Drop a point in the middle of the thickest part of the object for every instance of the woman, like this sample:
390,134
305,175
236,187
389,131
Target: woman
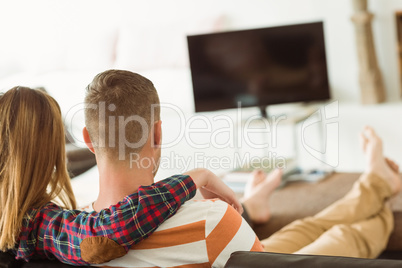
37,201
32,170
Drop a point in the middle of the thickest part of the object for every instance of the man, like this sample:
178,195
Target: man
119,123
114,99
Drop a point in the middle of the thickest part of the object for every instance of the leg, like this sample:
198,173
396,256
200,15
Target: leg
257,193
365,239
368,194
293,236
365,200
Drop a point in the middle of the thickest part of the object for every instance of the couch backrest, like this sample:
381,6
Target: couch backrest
243,259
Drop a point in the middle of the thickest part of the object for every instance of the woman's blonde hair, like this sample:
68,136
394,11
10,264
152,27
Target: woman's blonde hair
32,159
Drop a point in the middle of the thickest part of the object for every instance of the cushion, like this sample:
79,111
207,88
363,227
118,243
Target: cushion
79,160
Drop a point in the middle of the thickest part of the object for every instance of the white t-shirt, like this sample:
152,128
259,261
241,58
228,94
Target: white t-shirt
203,233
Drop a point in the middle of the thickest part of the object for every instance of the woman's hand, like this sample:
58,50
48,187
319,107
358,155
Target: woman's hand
211,186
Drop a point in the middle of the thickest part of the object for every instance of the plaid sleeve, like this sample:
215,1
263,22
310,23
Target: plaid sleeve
53,232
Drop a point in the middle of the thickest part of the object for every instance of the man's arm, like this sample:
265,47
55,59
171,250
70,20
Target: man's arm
56,232
212,187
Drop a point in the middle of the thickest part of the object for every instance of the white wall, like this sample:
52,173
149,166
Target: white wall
49,35
43,33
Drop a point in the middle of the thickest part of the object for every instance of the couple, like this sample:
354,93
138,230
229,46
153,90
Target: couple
35,188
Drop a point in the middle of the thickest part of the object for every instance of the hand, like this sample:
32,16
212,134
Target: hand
211,187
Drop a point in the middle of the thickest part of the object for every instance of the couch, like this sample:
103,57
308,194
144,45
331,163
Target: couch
243,259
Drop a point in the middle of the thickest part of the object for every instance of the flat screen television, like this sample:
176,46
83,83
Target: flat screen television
259,67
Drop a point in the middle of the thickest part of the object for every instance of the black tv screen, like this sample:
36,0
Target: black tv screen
259,67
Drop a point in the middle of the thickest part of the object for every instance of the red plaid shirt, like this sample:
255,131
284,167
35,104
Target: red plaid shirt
54,232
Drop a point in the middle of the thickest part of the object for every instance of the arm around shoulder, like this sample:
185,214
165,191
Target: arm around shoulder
53,231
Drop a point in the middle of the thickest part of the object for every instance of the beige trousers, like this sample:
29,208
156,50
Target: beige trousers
358,225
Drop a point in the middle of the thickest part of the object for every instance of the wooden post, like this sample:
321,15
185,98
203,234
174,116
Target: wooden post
398,16
371,83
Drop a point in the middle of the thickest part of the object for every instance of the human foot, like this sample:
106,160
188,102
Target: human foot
376,162
394,166
260,188
256,177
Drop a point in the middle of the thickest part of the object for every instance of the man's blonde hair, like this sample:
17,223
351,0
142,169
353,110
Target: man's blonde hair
121,107
32,159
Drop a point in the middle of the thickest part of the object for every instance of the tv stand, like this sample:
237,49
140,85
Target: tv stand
263,111
293,171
